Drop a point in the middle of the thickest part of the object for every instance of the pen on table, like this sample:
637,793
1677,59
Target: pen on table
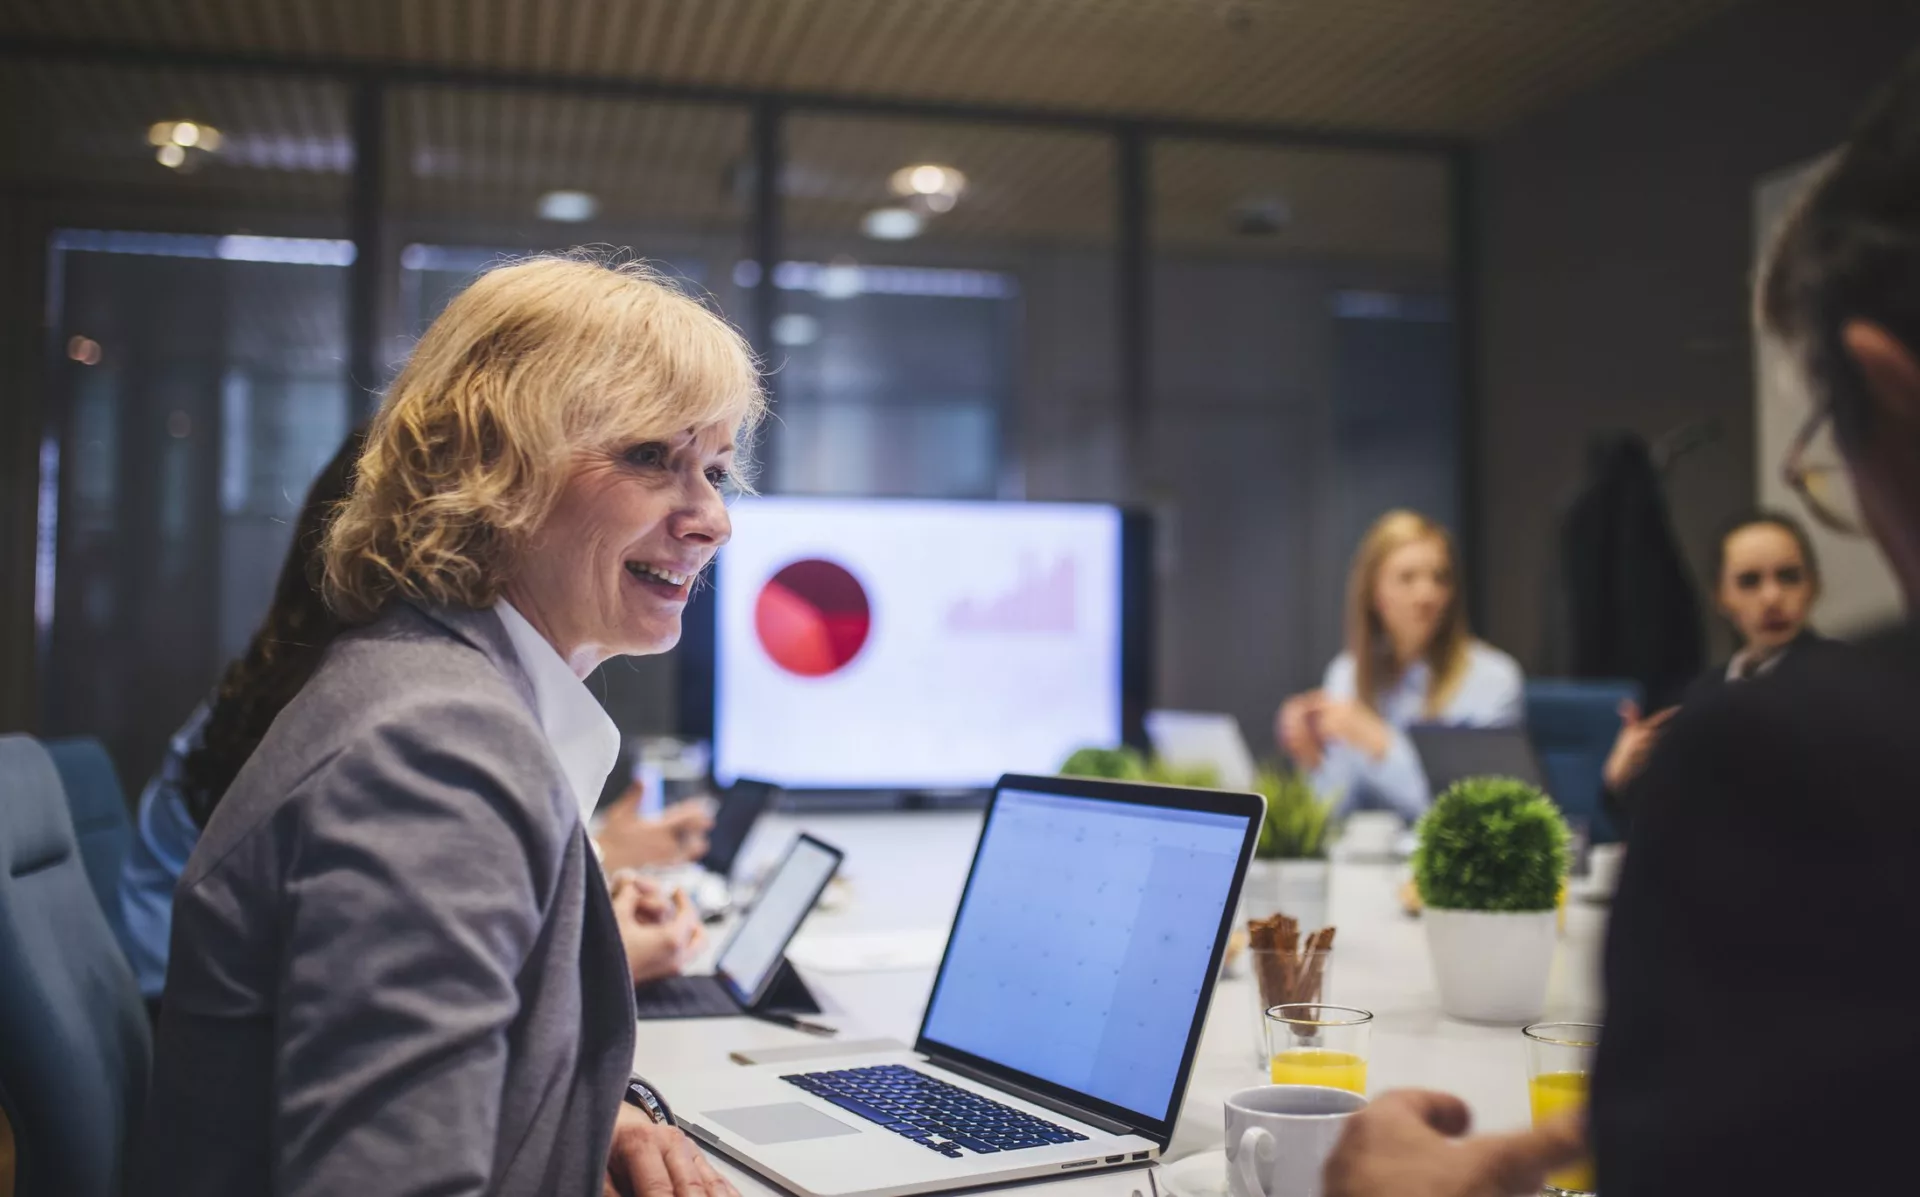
798,1024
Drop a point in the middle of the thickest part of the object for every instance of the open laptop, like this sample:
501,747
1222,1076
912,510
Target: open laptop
1451,754
1062,1024
751,973
1207,738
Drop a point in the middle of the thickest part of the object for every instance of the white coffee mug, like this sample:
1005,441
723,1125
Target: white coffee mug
1279,1137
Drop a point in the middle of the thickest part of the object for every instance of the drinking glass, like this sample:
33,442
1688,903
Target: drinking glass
1280,979
1311,1044
1559,1061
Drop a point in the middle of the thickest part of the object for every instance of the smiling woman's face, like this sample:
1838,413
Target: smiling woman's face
610,571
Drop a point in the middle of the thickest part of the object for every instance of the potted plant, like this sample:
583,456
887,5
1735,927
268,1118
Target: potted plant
1118,764
1127,764
1289,874
1491,857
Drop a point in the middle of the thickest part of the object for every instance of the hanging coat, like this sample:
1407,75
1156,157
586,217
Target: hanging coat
1629,606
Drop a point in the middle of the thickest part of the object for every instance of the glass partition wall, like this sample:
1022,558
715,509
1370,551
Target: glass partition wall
1254,338
1304,382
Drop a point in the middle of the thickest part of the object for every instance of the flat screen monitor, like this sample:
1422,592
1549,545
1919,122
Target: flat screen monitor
914,644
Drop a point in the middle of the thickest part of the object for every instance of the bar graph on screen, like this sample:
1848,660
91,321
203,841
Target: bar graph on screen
1041,600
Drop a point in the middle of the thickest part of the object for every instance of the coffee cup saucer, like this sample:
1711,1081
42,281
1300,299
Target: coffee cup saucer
1203,1174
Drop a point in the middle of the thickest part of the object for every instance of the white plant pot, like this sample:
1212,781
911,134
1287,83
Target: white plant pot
1296,888
1492,966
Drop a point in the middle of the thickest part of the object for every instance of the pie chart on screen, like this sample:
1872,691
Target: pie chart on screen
812,617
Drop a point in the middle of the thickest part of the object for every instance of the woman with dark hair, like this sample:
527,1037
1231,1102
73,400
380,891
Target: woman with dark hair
1766,582
222,733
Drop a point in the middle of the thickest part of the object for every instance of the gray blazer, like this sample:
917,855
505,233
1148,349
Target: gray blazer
394,966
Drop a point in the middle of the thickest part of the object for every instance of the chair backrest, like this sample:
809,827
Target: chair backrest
1573,725
74,1043
98,807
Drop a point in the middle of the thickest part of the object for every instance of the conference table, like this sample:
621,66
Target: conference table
870,951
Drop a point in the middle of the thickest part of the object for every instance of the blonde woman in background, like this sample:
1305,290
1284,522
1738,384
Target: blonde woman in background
1410,659
396,967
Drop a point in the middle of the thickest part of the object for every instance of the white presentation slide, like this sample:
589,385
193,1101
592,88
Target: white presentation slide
915,644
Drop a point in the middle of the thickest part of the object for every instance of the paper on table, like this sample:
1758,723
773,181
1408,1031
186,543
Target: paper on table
868,951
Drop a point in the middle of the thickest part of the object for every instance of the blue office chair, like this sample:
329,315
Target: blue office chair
74,1043
1573,725
100,824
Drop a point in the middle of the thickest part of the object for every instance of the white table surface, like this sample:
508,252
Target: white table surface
904,872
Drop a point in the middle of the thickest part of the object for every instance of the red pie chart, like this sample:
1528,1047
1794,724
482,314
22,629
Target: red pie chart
812,618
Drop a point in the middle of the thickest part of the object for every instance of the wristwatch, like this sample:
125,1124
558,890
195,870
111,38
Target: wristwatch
641,1095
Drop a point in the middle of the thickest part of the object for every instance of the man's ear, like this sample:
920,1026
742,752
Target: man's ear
1889,368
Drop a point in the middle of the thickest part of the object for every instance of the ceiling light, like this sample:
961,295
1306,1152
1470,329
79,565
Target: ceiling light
569,207
170,155
188,135
84,350
892,224
794,329
928,179
841,279
938,202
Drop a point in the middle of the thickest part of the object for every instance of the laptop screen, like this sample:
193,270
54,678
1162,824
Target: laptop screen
1084,943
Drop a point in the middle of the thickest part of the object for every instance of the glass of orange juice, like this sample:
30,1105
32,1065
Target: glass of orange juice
1559,1061
1311,1044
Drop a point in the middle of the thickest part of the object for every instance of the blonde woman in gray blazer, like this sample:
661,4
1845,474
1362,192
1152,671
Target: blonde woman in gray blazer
395,966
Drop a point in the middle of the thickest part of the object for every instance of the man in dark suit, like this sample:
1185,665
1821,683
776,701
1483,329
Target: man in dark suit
1763,1034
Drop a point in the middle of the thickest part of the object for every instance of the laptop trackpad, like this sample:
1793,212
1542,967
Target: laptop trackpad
787,1122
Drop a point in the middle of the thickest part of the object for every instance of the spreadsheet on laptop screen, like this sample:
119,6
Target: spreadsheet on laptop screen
1082,944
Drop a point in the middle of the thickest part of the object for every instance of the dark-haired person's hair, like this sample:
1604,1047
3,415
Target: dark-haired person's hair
1851,251
1764,519
282,654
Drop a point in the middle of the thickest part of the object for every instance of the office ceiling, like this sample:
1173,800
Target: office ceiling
466,163
1443,67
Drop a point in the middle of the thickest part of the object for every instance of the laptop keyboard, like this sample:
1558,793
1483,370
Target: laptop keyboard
934,1114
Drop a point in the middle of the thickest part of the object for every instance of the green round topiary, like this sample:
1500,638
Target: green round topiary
1119,764
1491,843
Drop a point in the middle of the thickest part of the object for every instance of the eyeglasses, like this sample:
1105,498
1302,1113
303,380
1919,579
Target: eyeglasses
1812,468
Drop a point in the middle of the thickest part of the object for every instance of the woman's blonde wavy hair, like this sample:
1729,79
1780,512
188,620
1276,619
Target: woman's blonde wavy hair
532,364
1367,640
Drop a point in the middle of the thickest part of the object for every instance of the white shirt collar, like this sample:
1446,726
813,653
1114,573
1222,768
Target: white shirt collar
1737,667
584,739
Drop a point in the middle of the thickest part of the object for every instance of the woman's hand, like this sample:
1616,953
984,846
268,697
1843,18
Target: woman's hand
649,1159
660,932
1294,728
1355,724
1634,744
628,841
1408,1144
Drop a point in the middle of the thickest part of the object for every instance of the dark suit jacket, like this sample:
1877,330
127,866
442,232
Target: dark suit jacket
394,965
1763,1021
1807,646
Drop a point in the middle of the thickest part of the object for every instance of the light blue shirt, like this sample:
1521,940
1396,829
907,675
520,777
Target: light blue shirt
163,837
1490,695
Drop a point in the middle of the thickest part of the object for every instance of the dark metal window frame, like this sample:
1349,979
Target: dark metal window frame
1133,138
